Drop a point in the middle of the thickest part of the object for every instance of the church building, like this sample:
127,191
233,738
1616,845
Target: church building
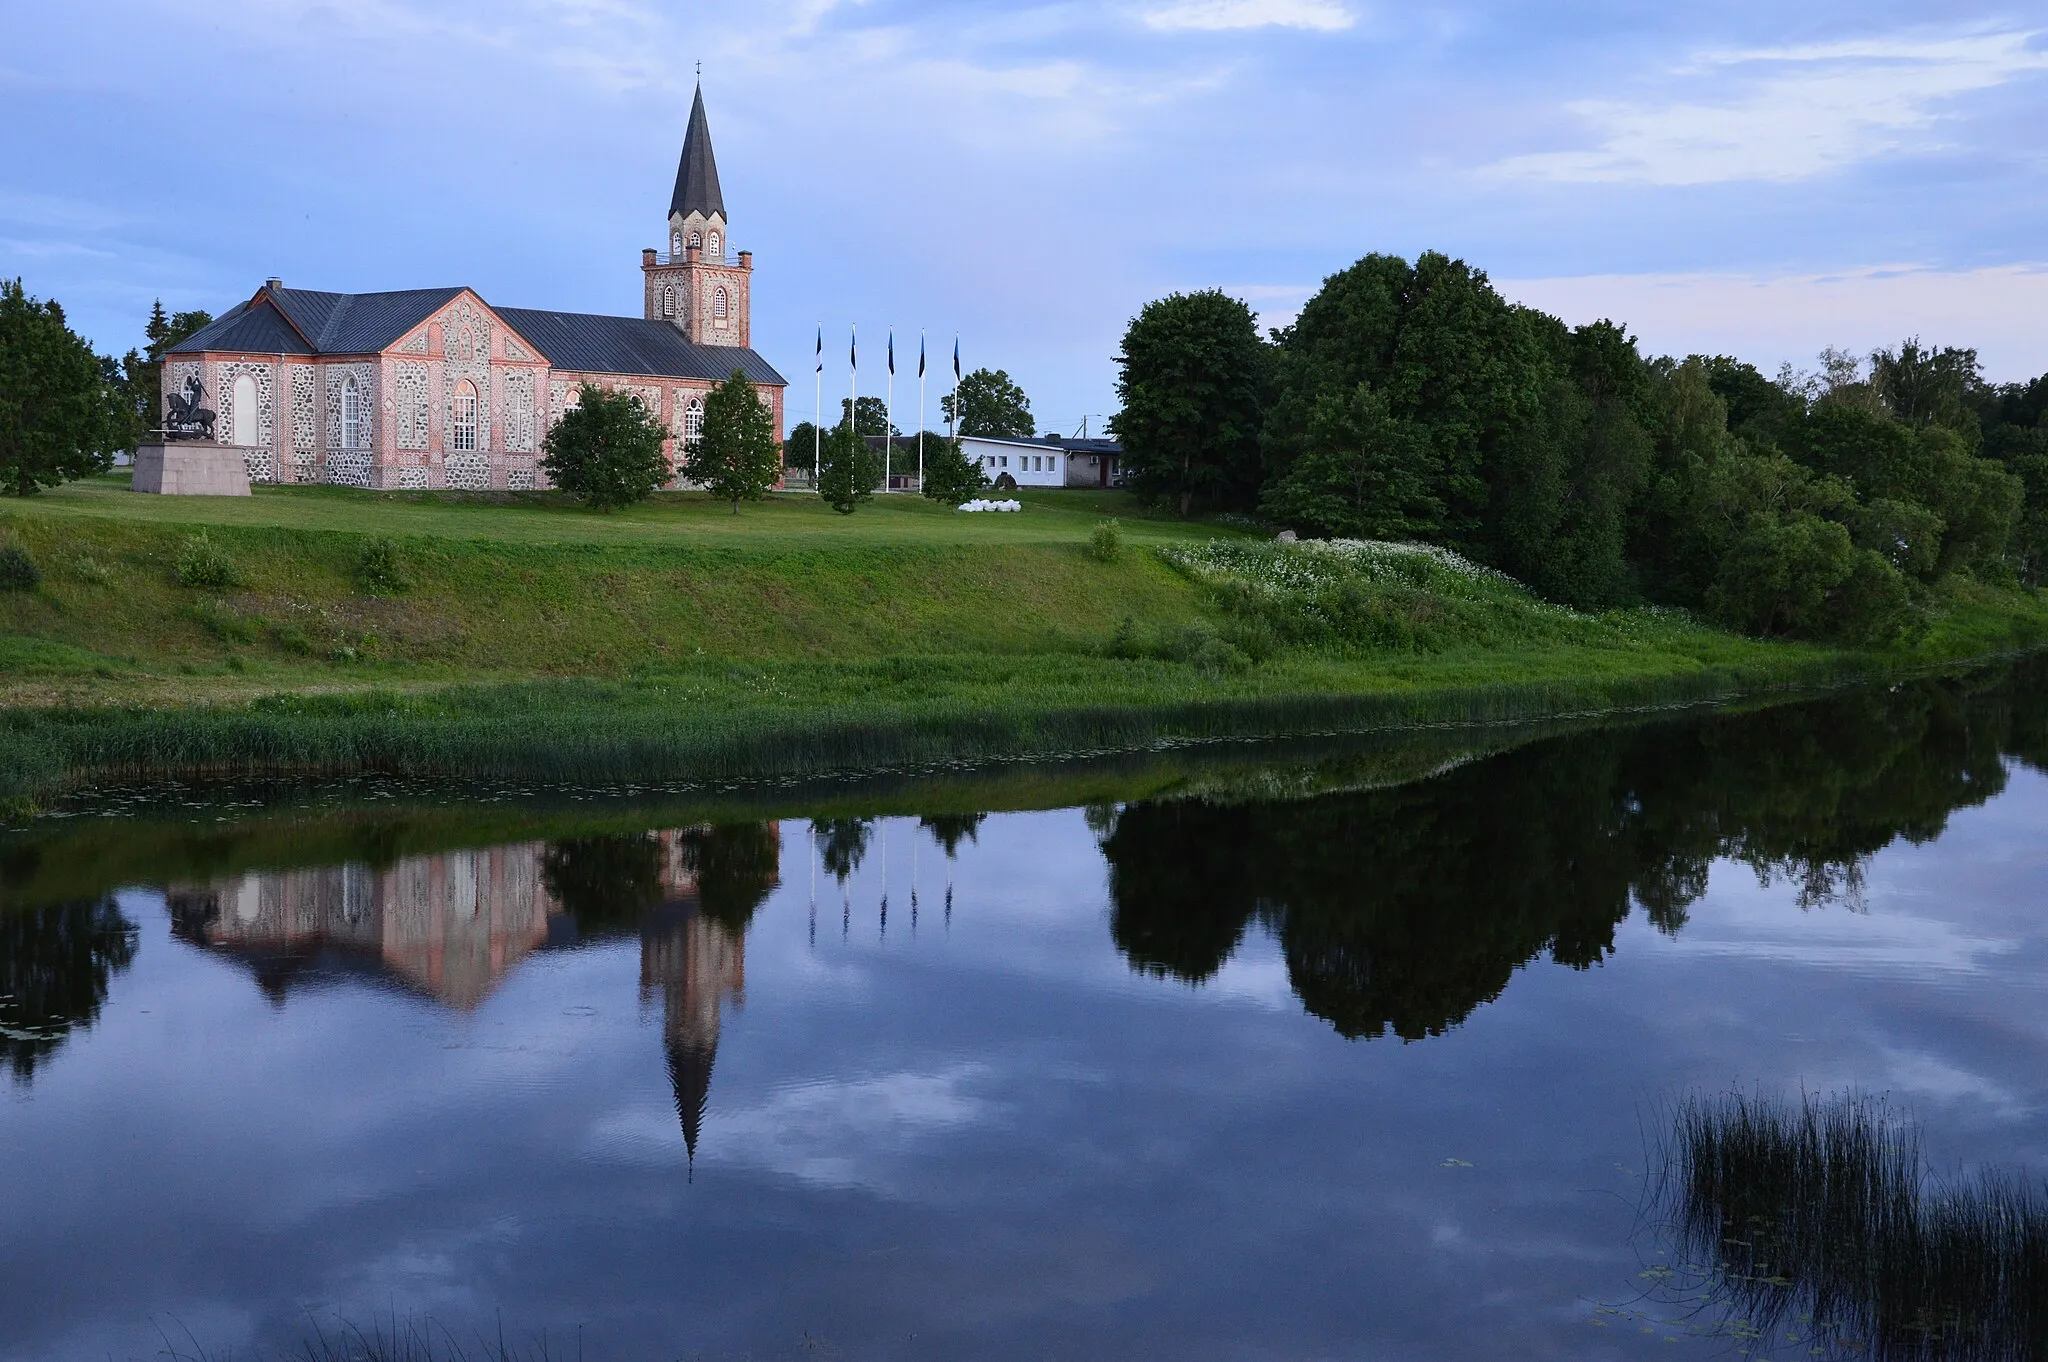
438,388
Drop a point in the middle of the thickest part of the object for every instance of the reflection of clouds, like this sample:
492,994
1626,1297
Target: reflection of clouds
827,1132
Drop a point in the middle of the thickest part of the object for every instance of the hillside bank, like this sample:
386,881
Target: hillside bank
321,630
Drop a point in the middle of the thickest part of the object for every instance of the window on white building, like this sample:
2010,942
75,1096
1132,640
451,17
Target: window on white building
352,414
462,430
693,424
718,305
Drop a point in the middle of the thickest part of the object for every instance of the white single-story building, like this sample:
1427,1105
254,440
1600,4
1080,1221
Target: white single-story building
1047,460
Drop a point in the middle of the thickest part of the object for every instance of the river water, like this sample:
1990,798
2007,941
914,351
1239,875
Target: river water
1355,1049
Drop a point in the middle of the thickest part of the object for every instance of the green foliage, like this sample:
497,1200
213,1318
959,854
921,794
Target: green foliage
989,404
735,459
205,566
1106,542
18,571
90,570
851,470
60,418
1360,472
872,418
950,477
606,451
1802,577
1192,380
379,570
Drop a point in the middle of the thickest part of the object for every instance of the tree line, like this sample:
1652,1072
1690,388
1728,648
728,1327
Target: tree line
1410,401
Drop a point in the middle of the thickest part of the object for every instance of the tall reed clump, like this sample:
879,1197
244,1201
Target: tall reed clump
205,565
1820,1222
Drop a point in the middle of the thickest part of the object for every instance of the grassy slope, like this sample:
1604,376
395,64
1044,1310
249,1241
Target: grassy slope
538,638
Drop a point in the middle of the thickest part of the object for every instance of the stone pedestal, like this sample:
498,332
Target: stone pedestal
191,468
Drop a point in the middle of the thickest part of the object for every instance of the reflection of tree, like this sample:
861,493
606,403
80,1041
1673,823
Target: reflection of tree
951,829
1401,910
607,883
735,865
843,844
54,966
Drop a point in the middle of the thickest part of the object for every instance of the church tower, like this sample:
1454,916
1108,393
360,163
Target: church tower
699,285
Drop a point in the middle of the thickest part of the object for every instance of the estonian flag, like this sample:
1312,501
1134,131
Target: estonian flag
920,354
853,348
821,347
892,354
956,361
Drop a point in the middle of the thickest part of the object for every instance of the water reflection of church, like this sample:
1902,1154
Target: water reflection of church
451,925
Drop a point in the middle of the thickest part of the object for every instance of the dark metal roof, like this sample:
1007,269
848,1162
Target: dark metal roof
589,344
337,323
697,172
1066,444
360,323
256,328
367,323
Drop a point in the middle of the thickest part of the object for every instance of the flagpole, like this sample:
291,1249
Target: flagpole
818,413
853,379
889,414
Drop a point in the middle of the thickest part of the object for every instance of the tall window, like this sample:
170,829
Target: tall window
711,244
462,430
351,414
245,429
693,424
675,243
668,302
696,238
718,305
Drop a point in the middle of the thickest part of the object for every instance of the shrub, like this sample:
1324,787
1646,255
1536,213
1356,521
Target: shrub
18,571
950,477
90,570
205,566
1106,541
379,571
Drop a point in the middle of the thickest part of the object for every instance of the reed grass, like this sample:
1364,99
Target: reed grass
1819,1222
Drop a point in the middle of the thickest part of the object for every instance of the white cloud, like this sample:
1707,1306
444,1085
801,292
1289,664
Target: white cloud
1768,318
1798,112
1322,16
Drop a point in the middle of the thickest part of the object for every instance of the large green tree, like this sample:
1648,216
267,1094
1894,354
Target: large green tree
1361,472
1192,380
871,416
989,403
60,417
735,458
606,450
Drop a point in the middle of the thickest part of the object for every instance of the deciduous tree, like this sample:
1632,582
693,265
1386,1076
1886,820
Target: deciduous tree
735,459
59,416
1192,381
606,450
851,470
989,403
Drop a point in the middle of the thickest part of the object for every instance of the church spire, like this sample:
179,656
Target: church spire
697,172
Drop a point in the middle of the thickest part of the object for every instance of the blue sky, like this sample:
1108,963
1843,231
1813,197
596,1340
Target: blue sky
1756,178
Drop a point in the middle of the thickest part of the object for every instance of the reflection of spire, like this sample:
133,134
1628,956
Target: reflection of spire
697,963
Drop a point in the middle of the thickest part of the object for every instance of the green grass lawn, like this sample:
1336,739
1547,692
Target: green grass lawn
533,637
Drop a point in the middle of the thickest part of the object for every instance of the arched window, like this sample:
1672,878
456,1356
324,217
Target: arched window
462,429
696,238
245,410
352,422
711,245
718,305
668,302
693,424
675,243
